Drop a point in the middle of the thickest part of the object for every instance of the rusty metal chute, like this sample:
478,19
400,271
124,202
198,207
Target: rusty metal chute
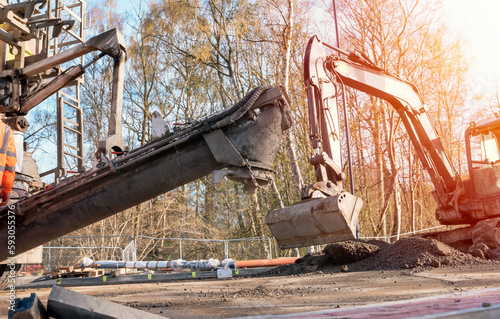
243,139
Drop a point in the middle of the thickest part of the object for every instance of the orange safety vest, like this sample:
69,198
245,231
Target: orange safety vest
8,157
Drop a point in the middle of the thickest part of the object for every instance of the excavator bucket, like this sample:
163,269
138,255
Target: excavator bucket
315,221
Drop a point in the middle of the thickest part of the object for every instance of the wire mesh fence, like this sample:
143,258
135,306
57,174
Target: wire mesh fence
156,248
395,238
55,257
64,252
197,249
250,248
72,249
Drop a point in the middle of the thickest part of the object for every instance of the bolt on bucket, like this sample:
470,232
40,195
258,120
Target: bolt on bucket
316,221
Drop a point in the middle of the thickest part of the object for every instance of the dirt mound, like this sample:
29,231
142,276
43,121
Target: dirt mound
416,252
407,253
349,252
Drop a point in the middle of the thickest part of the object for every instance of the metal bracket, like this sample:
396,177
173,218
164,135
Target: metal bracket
222,149
320,190
114,140
326,168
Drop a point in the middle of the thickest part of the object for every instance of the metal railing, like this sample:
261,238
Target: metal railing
225,242
227,247
49,248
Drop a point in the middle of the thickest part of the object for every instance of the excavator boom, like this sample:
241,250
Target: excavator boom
407,102
472,202
306,222
326,212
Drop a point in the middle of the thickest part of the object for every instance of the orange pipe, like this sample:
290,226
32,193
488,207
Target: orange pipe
266,262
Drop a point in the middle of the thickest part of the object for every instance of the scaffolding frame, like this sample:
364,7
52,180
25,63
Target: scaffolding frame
67,126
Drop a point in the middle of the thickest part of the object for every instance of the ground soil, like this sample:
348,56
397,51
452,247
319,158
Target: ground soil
345,275
410,253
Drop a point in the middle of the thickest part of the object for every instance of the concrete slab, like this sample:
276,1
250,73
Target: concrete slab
67,304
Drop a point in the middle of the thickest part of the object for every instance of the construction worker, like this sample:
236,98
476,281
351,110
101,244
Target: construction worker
8,162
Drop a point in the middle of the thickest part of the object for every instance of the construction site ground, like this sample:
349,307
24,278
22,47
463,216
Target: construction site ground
414,268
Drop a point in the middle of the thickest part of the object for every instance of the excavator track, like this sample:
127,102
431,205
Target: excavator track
487,232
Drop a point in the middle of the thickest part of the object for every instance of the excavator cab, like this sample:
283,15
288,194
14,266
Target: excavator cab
483,150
